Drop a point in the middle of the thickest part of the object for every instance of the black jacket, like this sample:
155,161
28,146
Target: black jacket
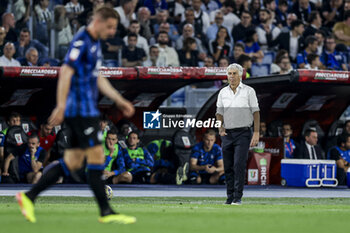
301,152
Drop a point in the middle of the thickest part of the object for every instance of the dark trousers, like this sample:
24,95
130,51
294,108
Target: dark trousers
235,147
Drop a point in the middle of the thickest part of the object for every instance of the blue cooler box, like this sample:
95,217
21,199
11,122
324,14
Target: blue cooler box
348,178
328,173
300,172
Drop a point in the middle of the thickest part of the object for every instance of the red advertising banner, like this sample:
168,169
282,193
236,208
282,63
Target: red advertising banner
324,76
258,170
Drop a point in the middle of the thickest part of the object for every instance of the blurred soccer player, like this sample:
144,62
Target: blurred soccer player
77,93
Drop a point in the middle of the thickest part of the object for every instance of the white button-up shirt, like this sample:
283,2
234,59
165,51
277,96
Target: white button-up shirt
4,61
237,108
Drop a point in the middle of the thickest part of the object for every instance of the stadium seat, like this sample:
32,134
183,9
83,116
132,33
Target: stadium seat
260,69
268,58
27,124
274,129
336,128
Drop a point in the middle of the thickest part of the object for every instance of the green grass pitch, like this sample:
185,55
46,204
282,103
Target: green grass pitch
182,215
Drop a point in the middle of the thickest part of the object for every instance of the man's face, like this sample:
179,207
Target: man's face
287,131
135,28
46,130
107,28
10,19
320,38
263,16
132,41
33,144
285,64
2,33
263,127
208,141
313,46
133,139
9,50
44,3
330,45
33,57
346,6
208,62
15,121
246,19
300,29
238,51
111,140
163,38
223,63
219,18
290,18
189,15
196,4
187,31
25,37
162,17
144,14
271,6
347,128
154,52
304,4
164,27
312,139
347,144
233,77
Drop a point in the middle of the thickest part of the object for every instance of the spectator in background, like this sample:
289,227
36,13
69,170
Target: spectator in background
213,28
167,55
302,8
308,149
284,65
31,58
315,23
132,55
289,144
246,62
63,30
341,154
74,9
320,35
266,27
341,30
223,62
311,47
332,11
275,69
271,6
238,50
188,32
143,16
177,9
206,164
188,55
238,7
263,129
126,12
281,14
155,5
209,6
138,160
2,40
7,59
152,57
9,22
230,19
292,41
25,43
43,22
331,58
252,48
209,62
254,8
290,18
190,19
201,17
240,30
313,61
141,41
31,160
221,46
171,30
21,11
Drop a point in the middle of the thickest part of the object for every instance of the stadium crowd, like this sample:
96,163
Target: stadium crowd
26,151
264,36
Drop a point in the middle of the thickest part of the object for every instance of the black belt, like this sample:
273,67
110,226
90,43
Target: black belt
237,129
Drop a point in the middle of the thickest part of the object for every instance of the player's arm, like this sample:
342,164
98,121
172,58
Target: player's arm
63,87
219,165
195,167
108,90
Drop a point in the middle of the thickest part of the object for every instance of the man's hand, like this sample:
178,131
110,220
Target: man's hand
126,108
255,139
5,174
32,151
108,174
222,131
57,116
210,169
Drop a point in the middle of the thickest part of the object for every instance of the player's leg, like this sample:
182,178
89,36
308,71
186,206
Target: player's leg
125,177
95,160
214,178
73,158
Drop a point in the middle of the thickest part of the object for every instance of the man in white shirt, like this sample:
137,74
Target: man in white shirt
141,41
126,12
167,55
7,59
237,109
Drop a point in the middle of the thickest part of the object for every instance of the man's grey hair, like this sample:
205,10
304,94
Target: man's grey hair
235,66
30,50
